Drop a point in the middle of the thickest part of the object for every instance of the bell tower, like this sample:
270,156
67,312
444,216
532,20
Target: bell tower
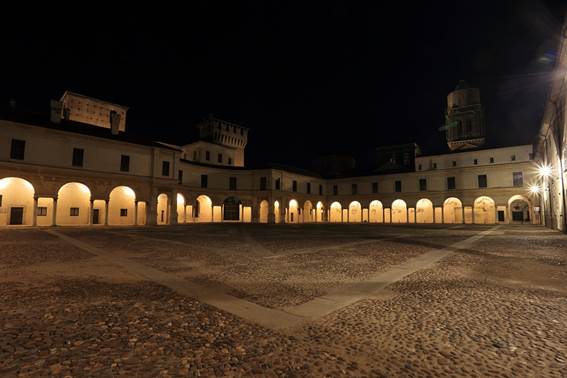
464,121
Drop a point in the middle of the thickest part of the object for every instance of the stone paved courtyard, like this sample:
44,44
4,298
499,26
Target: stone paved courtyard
284,300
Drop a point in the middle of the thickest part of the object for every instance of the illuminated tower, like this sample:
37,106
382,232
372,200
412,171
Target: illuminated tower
464,121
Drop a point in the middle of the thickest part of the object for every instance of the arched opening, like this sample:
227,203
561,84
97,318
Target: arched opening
484,210
293,211
231,209
264,209
319,212
519,209
16,201
376,212
73,204
277,212
203,209
452,210
181,213
424,211
399,211
163,209
122,206
335,215
308,212
355,212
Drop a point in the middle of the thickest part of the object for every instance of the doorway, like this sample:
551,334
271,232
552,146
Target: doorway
16,215
96,216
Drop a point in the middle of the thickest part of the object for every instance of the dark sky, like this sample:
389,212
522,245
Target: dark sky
333,76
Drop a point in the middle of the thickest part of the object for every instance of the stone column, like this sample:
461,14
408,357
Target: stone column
54,221
106,202
91,207
34,212
135,213
151,210
173,208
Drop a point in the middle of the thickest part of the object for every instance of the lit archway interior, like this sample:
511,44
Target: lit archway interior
424,211
277,211
122,206
320,211
16,207
452,210
73,204
203,209
335,215
484,210
264,211
355,212
375,212
181,214
293,212
163,209
232,207
520,209
399,211
308,211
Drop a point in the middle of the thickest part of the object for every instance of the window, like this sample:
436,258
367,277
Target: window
374,187
219,158
454,163
354,188
0,200
195,155
491,160
232,183
434,165
78,154
165,168
180,177
320,189
41,211
263,183
18,149
419,167
207,155
335,190
229,161
398,186
294,186
518,178
123,212
308,188
74,211
204,181
513,158
482,181
125,163
451,183
423,185
278,184
475,161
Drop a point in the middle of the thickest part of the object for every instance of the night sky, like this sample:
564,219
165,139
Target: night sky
329,77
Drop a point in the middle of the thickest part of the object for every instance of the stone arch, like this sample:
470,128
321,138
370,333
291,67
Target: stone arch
181,209
293,211
16,206
232,207
319,212
122,206
424,211
163,209
355,212
264,211
399,211
520,209
375,212
203,209
335,213
308,212
277,212
484,210
73,204
452,210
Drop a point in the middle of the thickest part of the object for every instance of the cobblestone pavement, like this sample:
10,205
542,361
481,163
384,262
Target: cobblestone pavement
497,308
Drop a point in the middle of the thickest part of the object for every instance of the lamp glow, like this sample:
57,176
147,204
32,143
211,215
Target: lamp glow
535,189
544,170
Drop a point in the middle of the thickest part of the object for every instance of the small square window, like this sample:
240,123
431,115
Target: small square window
74,211
123,212
434,165
454,163
513,158
491,160
419,167
475,161
41,211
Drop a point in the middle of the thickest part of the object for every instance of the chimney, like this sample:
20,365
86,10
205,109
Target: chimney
114,122
56,111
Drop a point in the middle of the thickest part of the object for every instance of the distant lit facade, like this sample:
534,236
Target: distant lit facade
74,171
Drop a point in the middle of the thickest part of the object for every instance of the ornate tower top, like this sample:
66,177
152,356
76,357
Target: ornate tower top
464,120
